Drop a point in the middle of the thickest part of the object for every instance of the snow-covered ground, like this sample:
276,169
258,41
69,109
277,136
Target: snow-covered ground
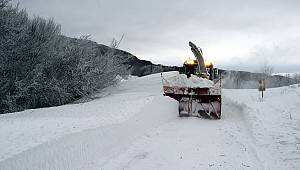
134,127
273,123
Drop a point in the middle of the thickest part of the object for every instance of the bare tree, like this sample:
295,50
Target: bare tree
296,76
266,68
115,43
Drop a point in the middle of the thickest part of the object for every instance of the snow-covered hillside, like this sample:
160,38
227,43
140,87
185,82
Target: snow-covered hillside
133,126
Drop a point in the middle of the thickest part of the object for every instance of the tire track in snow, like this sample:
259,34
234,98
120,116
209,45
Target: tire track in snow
193,143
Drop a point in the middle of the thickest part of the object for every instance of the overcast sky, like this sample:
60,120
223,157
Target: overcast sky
235,34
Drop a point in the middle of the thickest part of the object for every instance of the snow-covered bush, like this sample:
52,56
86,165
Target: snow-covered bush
39,67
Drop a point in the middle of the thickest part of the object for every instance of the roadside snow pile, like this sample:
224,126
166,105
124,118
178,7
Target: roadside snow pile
181,80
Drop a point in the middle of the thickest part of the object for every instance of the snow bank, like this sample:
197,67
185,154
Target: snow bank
273,123
181,80
85,135
21,131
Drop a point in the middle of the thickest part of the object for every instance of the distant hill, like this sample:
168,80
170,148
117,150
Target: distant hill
232,79
136,66
245,80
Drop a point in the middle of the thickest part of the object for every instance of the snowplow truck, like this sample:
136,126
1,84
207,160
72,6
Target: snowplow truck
197,89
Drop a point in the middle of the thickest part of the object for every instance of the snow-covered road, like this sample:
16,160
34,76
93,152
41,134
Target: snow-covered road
193,143
135,127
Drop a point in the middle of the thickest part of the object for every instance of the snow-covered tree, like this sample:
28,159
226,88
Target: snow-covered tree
39,67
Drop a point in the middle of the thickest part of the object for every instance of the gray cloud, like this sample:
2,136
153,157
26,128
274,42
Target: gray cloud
228,31
282,55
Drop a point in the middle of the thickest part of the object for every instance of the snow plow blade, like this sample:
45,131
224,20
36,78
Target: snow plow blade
204,102
199,105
